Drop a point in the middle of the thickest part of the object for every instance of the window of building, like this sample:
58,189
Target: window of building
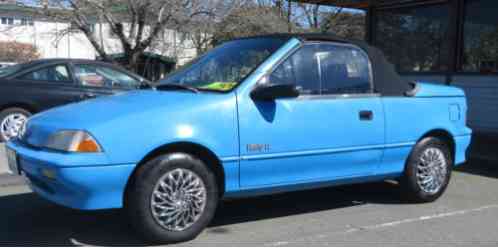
415,39
480,36
57,73
26,21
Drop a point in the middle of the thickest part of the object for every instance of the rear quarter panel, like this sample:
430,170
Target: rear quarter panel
408,119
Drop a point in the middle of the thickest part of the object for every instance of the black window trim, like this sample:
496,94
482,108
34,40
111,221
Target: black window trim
18,76
369,94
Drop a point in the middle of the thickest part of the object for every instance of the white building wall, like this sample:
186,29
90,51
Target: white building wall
44,35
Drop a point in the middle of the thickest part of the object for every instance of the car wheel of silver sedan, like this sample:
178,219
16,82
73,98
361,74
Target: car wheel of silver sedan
12,121
428,170
172,198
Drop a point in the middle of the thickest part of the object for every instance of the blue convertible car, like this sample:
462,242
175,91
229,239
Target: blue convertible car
259,115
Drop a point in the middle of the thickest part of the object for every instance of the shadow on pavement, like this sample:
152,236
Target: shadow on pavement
486,168
27,219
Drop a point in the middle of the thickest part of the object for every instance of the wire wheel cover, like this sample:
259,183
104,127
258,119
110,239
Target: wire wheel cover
432,170
178,199
12,124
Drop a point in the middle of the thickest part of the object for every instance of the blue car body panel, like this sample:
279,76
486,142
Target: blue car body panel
302,143
324,135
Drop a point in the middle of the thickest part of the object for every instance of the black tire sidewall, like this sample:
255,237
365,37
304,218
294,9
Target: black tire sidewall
6,112
412,190
138,197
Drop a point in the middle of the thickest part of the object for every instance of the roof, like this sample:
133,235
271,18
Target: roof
17,7
58,60
358,4
387,81
42,62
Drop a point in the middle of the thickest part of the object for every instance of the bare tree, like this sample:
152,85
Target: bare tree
345,24
314,17
250,20
201,32
135,23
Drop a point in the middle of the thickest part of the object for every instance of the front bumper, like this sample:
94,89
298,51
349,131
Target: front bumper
79,187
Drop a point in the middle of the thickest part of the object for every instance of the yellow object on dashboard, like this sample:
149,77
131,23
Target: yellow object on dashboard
223,86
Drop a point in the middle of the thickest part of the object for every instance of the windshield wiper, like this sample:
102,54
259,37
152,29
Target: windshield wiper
176,87
145,85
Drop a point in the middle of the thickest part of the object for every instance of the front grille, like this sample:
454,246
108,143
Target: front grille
25,143
40,184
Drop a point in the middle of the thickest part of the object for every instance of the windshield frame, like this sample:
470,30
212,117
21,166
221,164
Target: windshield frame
189,65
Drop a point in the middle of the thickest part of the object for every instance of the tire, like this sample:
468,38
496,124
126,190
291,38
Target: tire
139,198
16,113
413,181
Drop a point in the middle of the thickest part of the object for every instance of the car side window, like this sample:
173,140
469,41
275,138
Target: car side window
344,69
301,69
101,76
56,73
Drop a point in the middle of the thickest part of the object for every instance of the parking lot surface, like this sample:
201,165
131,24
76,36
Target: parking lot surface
366,214
3,159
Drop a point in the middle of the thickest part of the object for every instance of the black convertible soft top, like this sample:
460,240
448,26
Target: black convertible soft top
386,80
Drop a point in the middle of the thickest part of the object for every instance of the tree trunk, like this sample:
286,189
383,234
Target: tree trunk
133,60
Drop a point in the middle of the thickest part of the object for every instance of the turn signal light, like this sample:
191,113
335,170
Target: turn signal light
88,145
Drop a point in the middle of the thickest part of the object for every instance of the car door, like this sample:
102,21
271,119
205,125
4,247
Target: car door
101,80
333,130
46,86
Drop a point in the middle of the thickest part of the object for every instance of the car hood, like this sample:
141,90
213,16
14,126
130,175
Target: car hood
104,115
437,90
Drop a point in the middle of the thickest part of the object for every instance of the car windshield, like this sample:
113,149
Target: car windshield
224,67
5,71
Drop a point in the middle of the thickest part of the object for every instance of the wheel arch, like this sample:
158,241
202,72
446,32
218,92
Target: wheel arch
203,153
29,107
445,136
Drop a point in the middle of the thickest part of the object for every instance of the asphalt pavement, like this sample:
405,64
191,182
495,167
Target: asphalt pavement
358,215
3,159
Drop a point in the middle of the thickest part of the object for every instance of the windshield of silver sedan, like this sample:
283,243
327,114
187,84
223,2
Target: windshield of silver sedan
224,67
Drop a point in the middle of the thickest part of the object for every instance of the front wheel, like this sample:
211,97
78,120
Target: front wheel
11,122
427,171
173,198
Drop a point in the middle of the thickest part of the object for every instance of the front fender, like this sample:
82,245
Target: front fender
210,123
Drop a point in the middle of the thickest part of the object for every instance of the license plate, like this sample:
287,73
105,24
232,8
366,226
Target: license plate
12,162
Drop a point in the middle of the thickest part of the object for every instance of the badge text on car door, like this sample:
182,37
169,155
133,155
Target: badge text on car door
258,147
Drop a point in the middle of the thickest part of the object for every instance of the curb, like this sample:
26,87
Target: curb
7,180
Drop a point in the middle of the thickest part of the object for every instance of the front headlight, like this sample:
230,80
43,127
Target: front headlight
73,141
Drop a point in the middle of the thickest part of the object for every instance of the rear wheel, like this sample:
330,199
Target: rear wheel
173,198
428,171
11,122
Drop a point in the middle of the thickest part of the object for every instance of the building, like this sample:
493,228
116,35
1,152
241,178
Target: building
451,42
22,24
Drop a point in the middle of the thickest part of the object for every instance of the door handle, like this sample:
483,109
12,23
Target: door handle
366,115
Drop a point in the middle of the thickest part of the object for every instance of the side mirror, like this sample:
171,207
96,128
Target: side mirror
270,92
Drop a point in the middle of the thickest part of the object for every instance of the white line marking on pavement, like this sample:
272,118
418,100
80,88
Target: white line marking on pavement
384,225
